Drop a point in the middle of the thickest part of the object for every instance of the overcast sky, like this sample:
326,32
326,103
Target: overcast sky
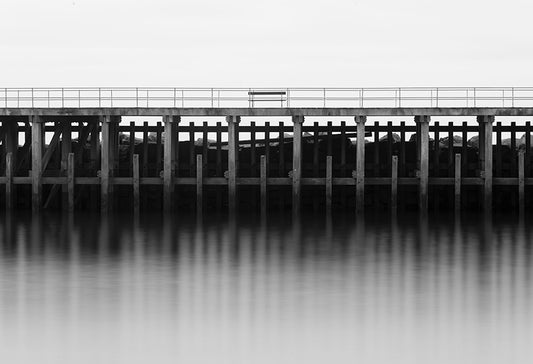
364,43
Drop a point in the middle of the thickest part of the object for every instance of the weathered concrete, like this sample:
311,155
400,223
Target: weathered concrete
452,111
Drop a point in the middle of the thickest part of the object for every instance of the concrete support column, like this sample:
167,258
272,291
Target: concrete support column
297,163
423,148
11,148
485,154
36,161
169,163
360,165
66,145
233,145
105,163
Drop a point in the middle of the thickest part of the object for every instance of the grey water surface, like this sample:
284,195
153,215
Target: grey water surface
156,289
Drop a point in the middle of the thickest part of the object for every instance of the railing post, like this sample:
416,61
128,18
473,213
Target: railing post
360,120
400,97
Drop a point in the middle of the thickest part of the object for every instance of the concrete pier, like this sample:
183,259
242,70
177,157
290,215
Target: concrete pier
313,165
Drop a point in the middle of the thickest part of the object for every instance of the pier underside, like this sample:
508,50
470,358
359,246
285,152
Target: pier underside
246,159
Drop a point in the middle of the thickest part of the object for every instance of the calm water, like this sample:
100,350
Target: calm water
86,290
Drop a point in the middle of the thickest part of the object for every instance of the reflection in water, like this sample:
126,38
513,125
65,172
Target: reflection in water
167,290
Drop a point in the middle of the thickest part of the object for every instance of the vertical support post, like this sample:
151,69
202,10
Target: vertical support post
329,183
394,184
486,145
360,165
457,183
297,120
423,146
9,181
233,122
95,161
136,189
521,183
36,162
11,148
105,164
66,145
169,165
199,184
263,188
70,182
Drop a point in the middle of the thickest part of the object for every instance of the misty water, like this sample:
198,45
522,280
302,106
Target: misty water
156,289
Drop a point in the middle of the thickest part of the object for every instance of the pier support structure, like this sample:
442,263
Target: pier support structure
36,161
105,163
360,165
485,158
169,162
233,145
423,153
297,120
11,148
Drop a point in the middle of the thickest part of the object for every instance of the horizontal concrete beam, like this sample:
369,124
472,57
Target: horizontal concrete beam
349,112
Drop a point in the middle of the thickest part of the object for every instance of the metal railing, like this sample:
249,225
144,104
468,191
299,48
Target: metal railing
144,97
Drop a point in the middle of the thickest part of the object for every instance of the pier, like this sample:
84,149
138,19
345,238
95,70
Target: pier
226,149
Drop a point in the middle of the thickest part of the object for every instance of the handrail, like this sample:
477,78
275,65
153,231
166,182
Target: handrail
198,97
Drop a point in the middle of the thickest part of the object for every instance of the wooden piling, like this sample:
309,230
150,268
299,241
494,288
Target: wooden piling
169,163
263,187
486,145
329,183
360,164
394,184
132,144
11,148
66,147
95,162
457,183
297,162
36,165
70,182
199,183
521,183
145,149
9,181
423,145
136,190
105,164
233,122
316,163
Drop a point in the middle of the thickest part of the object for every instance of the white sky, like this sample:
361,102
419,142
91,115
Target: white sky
277,43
